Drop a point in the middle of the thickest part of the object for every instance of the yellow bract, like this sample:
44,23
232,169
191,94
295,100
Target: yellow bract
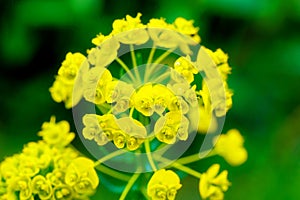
186,27
96,80
221,60
143,100
163,185
56,134
171,126
62,89
130,31
185,67
230,146
81,176
213,186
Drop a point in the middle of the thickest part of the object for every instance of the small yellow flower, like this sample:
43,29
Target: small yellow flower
171,126
56,177
213,186
63,192
82,176
135,132
162,97
185,67
56,134
159,23
105,53
92,126
169,35
100,38
28,166
42,187
99,128
230,147
143,100
62,88
137,35
186,27
70,67
61,92
116,90
221,60
9,167
96,81
177,103
163,185
121,25
120,139
207,121
22,185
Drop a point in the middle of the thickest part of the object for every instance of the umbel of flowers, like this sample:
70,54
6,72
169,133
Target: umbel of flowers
48,169
157,95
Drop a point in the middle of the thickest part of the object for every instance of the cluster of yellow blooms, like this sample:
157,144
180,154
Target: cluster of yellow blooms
127,107
48,169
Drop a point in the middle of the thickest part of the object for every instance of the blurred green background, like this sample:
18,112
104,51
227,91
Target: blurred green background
262,38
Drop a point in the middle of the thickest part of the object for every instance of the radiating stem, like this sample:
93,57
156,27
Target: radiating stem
161,77
125,67
196,157
136,71
180,167
113,173
150,58
156,62
163,56
131,111
164,147
129,185
189,159
149,155
144,192
109,156
149,61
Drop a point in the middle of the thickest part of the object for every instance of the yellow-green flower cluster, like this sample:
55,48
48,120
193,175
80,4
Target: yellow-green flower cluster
140,103
48,169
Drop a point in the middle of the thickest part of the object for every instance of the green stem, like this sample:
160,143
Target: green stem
180,167
163,56
129,185
196,157
125,67
162,77
109,156
113,173
149,155
189,159
164,147
131,111
136,71
150,58
144,192
157,61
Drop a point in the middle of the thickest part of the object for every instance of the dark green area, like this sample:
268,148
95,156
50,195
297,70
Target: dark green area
262,38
